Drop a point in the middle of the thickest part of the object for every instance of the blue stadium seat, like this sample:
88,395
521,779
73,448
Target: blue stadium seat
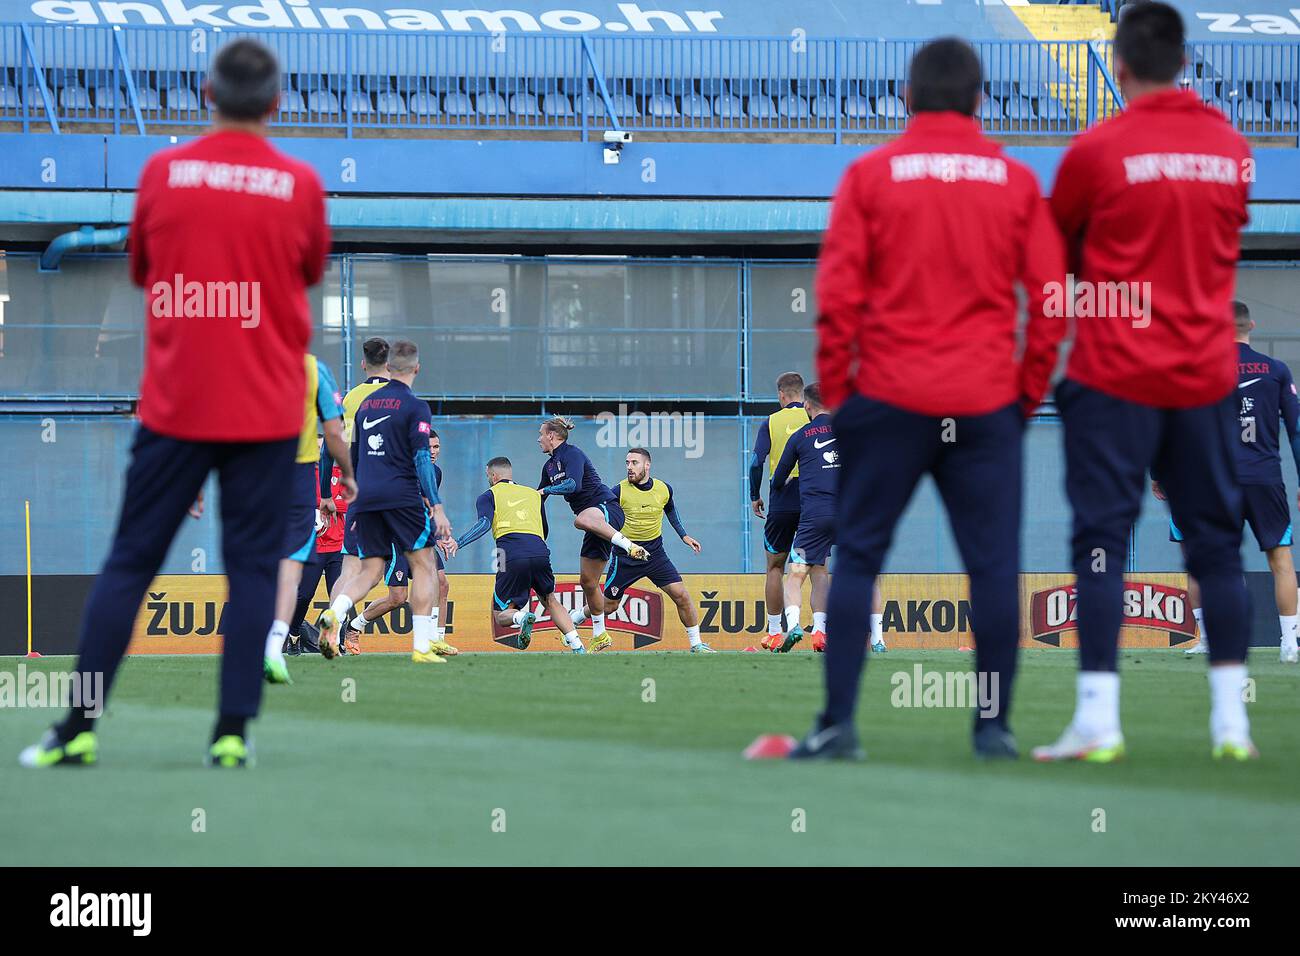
556,103
990,110
290,101
858,107
728,107
890,107
422,103
390,103
318,101
696,106
824,106
457,104
661,106
358,102
72,97
490,104
9,98
1284,113
524,104
1251,111
1052,110
760,107
1019,108
794,107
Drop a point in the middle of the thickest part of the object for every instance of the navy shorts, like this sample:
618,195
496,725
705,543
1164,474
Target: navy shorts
398,572
814,539
778,531
300,529
625,571
520,576
379,532
1266,510
593,545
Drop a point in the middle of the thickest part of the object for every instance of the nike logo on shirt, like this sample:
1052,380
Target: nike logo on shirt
822,444
367,423
1251,382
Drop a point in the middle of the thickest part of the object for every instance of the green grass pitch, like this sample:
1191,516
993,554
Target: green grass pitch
581,770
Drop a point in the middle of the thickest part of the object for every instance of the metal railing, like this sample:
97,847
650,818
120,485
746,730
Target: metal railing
139,79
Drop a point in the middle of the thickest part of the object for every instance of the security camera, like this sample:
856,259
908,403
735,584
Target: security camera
617,136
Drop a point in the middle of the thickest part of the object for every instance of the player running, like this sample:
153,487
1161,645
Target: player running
1154,200
391,458
1267,393
569,472
809,450
646,501
396,576
782,518
516,515
323,404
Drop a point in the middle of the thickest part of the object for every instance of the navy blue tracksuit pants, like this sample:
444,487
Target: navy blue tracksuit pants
1109,445
976,464
164,478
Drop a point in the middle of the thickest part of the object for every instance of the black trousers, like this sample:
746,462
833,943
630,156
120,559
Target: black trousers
164,478
976,462
1109,445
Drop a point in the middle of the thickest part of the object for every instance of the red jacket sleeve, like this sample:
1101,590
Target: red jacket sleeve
1042,268
318,246
137,244
841,290
1071,196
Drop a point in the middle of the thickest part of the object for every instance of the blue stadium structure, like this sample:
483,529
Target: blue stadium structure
477,208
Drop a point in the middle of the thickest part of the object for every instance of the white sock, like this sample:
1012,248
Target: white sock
877,629
597,625
1096,711
441,634
774,624
518,619
1227,708
819,621
1288,629
342,604
275,640
792,617
422,629
1199,614
572,639
693,634
359,622
621,540
578,616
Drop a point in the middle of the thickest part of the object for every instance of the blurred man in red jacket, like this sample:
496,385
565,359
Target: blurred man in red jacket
226,236
1151,204
916,349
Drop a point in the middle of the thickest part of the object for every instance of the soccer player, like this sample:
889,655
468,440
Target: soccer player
324,405
222,390
391,459
809,451
646,501
929,236
782,516
326,563
1153,201
1267,393
516,516
396,575
569,472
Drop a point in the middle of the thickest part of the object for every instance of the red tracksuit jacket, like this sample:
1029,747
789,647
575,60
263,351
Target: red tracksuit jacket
916,279
226,236
1156,195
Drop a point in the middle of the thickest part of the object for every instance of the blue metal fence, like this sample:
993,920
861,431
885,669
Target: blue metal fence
140,78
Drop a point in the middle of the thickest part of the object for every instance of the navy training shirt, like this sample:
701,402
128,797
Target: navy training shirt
1267,394
570,461
390,427
813,448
